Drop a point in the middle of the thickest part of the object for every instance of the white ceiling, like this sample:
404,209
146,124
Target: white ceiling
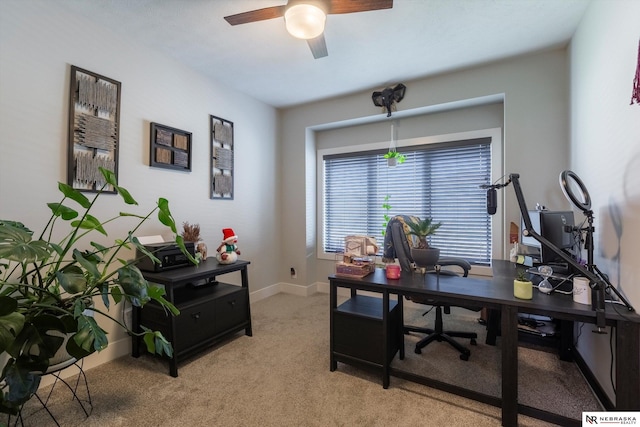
367,50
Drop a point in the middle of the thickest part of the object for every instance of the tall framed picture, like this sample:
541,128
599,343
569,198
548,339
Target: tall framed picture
169,148
221,158
94,129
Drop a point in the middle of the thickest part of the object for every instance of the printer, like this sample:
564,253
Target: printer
168,253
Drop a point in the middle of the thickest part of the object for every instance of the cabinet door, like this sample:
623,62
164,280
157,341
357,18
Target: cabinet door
231,310
194,325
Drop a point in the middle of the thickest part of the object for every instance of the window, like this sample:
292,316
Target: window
440,180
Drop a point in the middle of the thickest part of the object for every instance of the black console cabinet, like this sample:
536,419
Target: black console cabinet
210,311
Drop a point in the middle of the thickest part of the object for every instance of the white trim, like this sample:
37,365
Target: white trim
497,172
287,288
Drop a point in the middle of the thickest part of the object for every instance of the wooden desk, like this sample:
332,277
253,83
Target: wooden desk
497,293
210,311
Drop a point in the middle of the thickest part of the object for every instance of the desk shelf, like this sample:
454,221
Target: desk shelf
358,331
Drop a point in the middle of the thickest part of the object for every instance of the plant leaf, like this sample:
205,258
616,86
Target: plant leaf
143,249
133,284
89,223
59,250
126,196
7,305
74,194
157,293
104,292
156,342
90,337
164,215
16,244
109,176
75,350
89,264
99,247
66,213
72,279
47,343
22,384
116,294
10,326
162,345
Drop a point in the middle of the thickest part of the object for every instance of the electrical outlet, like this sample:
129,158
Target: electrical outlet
293,273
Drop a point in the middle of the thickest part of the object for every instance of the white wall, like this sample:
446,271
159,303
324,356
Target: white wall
39,40
605,151
534,90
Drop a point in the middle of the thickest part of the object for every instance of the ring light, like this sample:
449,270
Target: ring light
583,202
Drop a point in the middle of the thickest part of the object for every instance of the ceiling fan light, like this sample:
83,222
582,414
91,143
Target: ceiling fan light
305,21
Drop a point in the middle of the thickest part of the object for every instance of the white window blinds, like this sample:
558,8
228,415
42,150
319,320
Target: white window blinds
440,181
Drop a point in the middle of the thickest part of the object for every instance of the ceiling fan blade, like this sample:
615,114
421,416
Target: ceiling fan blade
352,6
318,47
256,15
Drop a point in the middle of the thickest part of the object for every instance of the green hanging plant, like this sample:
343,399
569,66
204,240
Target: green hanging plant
387,207
392,154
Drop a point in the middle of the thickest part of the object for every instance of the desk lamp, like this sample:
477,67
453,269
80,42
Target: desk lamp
597,280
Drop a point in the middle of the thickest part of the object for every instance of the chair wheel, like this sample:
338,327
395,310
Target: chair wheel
417,351
473,341
464,356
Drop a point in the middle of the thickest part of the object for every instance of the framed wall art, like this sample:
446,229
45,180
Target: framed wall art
170,148
221,158
94,129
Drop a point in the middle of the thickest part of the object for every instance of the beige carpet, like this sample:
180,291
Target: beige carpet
281,377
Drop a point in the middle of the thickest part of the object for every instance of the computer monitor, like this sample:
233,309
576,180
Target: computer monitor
554,226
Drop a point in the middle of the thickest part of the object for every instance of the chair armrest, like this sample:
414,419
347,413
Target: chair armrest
458,262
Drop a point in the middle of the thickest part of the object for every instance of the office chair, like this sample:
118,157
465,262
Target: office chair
397,244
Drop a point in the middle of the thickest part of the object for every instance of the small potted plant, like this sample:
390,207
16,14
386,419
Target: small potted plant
522,286
394,158
423,255
49,286
191,233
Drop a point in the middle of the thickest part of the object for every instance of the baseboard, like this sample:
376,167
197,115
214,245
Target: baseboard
116,349
593,382
285,288
122,347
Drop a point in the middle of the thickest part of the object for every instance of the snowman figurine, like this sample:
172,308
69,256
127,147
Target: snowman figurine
227,252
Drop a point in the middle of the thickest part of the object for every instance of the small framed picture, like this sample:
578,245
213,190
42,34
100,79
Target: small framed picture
94,130
170,148
222,156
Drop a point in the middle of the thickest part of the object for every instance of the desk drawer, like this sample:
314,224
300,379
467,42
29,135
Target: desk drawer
194,325
231,310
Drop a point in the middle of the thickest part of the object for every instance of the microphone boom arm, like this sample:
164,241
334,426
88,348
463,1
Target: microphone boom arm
598,281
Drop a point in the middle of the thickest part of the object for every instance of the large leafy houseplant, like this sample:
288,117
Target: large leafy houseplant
47,288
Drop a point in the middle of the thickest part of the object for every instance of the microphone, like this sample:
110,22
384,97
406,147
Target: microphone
492,201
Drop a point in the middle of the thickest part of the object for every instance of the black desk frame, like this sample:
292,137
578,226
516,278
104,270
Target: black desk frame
497,294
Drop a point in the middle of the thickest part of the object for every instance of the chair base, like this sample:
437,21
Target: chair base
438,334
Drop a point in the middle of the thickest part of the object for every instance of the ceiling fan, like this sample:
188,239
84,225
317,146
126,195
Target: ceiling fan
305,19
